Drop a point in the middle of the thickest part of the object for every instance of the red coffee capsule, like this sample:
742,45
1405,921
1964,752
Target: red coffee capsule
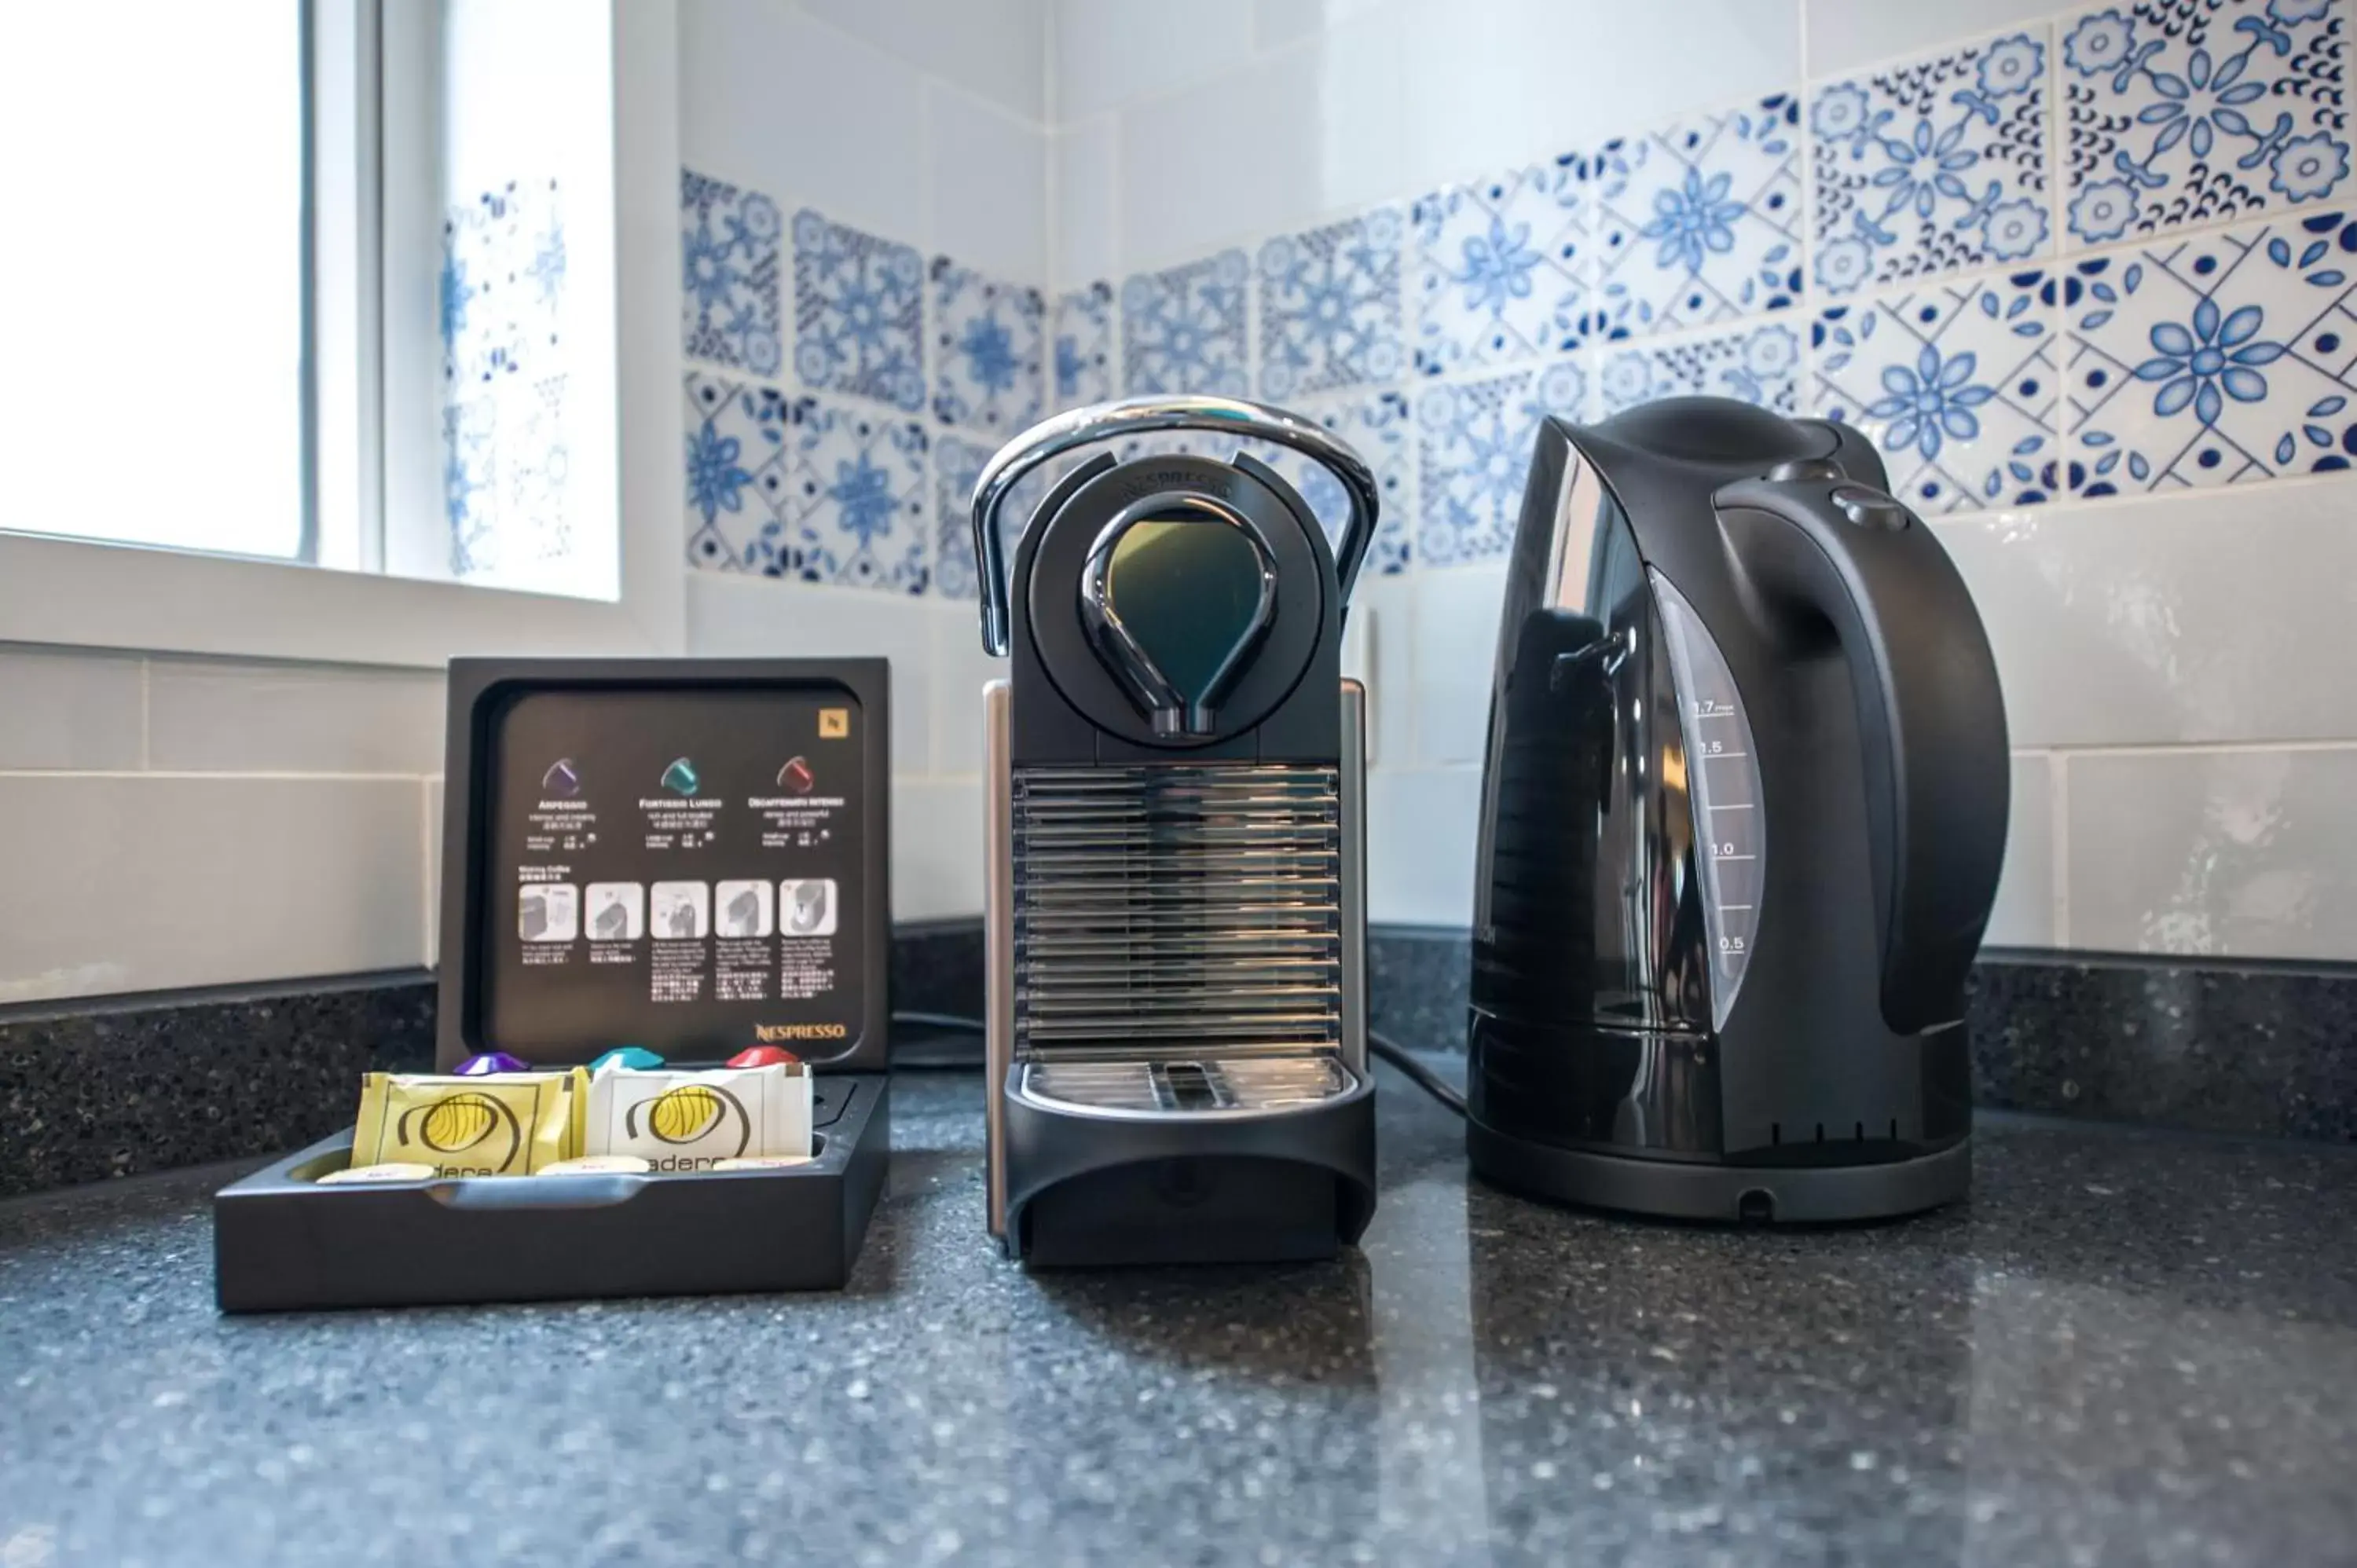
763,1056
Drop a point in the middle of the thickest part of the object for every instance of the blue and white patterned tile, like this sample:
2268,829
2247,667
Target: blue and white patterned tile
987,374
1330,306
957,468
502,287
1376,425
1083,352
740,478
1182,329
1500,268
856,496
1474,442
1699,222
1934,165
858,305
1758,364
507,463
2222,359
1956,385
731,243
2184,112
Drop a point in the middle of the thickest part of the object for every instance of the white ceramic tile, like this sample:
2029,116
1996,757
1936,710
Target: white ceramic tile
1846,34
1957,383
1108,55
210,717
990,188
1456,656
1934,164
762,85
67,709
959,671
1422,828
2223,358
1277,23
994,48
2208,615
2220,853
736,617
1500,83
2024,914
1380,649
936,848
149,884
1085,223
1696,221
2185,113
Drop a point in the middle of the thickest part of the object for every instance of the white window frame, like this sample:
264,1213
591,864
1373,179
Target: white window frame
77,593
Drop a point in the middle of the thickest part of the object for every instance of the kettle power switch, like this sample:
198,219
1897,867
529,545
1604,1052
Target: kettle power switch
1869,508
1795,469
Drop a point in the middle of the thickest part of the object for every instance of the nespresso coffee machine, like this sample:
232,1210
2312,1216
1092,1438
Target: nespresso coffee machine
1176,1052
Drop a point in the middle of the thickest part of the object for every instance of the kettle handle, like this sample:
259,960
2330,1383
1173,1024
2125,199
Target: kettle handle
1166,411
1930,716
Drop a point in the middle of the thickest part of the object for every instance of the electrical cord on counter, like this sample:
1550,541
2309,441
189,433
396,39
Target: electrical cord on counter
1391,1051
1422,1076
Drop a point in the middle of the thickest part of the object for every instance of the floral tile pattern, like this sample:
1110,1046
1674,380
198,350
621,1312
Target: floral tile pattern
2187,111
2224,358
1329,305
1933,167
987,373
957,468
857,496
1500,268
1955,383
503,287
1697,223
1473,455
858,301
1183,329
1084,349
739,478
1760,364
731,239
1376,425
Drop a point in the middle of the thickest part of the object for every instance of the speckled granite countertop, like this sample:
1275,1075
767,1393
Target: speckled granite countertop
2127,1348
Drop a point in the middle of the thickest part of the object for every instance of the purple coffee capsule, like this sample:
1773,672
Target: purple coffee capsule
490,1062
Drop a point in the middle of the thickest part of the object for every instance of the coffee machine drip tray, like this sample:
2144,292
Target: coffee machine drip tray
1185,1087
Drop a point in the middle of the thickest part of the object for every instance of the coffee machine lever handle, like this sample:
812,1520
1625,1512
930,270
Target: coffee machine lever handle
1138,415
1931,717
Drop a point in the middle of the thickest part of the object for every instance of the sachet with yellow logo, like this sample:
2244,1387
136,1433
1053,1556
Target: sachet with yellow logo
508,1124
685,1121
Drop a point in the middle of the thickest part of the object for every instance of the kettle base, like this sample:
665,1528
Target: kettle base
1676,1190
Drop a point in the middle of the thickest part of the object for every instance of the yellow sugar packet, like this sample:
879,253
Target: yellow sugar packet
508,1124
686,1121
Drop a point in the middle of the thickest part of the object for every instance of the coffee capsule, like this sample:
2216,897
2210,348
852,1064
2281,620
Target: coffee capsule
763,1056
490,1062
633,1058
688,1121
391,1170
506,1123
762,1163
599,1164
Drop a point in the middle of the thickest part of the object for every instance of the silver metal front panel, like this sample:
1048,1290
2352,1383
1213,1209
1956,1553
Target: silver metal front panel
1187,909
1129,1089
998,944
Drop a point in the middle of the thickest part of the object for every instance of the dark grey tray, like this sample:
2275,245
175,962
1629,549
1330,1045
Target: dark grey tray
281,1241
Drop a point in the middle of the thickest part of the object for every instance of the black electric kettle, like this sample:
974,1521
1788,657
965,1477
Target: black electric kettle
1743,814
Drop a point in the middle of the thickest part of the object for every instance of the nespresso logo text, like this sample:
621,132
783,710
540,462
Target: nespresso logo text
770,1034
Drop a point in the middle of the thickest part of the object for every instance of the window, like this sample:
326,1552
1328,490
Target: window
152,296
325,330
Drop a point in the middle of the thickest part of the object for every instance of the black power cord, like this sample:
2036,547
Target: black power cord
1391,1050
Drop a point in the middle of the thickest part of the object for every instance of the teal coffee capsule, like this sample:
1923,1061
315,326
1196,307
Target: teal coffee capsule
634,1058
